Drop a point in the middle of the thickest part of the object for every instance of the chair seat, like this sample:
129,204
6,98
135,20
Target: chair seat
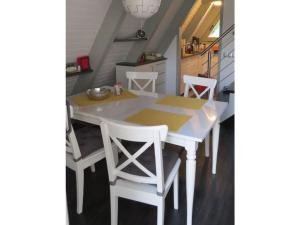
147,159
88,136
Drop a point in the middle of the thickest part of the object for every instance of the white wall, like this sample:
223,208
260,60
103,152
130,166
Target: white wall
83,20
159,33
118,52
228,14
171,67
226,76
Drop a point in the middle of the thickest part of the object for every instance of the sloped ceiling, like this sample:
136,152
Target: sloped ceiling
83,20
85,25
200,20
129,26
118,51
162,27
192,20
191,15
210,20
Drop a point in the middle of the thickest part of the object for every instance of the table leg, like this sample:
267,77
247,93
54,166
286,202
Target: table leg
191,148
216,131
207,145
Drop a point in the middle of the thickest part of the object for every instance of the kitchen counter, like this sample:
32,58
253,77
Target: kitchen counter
134,64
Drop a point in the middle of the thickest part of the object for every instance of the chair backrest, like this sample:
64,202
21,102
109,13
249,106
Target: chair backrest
72,146
190,81
150,135
149,77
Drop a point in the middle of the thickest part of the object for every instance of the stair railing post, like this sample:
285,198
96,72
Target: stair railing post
208,63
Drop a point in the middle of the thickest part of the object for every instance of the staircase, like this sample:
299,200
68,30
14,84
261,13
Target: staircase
222,69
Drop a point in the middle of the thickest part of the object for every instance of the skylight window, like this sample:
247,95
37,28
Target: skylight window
215,33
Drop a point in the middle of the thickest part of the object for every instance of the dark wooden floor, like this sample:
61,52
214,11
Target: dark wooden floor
213,200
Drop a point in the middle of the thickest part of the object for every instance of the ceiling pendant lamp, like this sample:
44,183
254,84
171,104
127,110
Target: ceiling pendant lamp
141,9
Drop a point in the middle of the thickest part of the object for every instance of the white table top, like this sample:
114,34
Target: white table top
195,129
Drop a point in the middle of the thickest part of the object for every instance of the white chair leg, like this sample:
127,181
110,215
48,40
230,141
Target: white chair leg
161,211
216,133
113,208
207,146
163,145
79,187
175,191
93,168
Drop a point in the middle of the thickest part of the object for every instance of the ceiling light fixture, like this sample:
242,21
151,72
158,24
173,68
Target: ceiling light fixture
142,9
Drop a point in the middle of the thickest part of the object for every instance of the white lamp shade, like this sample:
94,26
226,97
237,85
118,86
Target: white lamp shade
141,8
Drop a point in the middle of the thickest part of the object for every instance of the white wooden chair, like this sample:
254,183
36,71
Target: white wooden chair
145,78
190,81
143,174
210,85
84,148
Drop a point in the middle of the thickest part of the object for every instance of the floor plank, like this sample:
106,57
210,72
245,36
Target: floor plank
213,201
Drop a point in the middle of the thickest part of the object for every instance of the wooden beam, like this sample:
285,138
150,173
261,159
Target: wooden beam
187,33
174,26
102,43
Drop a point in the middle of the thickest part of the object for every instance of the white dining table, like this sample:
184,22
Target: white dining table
193,132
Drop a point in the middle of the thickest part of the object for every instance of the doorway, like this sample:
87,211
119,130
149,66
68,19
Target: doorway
200,28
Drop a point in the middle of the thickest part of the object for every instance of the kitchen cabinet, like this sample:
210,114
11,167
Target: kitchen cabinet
156,66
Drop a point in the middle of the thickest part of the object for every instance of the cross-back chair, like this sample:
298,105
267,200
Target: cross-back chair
210,84
191,81
84,148
144,173
142,80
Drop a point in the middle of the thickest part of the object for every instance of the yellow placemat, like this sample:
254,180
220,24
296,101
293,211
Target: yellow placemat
83,100
152,117
182,102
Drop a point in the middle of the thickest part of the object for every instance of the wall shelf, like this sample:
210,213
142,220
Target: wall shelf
78,73
129,39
